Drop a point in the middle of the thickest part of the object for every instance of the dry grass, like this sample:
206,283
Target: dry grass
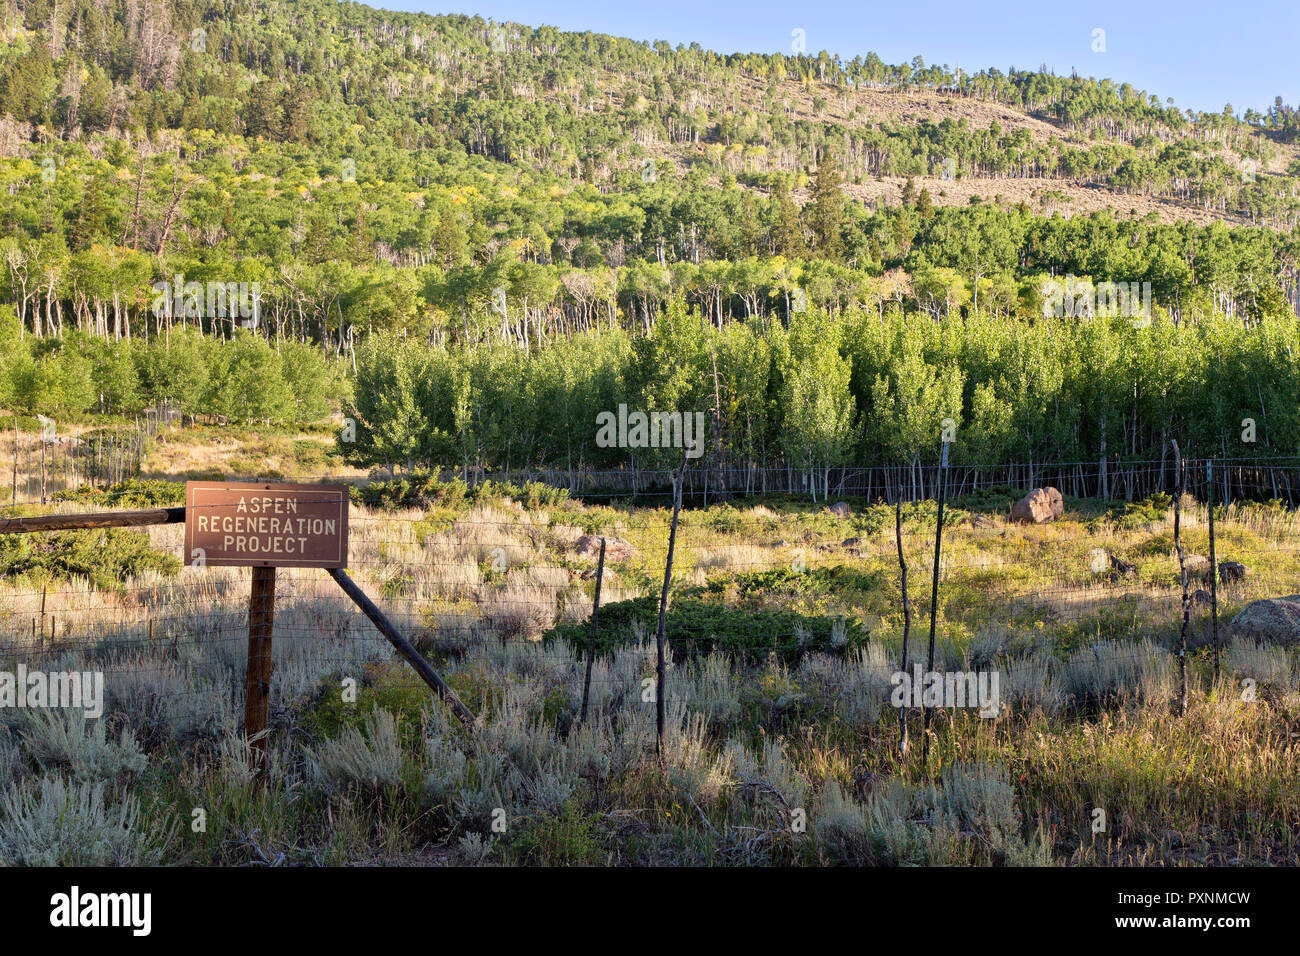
1087,682
739,557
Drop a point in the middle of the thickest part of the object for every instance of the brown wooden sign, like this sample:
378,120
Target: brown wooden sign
265,525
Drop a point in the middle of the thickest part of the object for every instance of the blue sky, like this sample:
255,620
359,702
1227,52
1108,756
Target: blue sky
1202,54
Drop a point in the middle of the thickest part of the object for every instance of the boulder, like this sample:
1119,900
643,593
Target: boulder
616,549
1201,597
1198,566
1230,572
610,578
850,542
1041,504
1271,620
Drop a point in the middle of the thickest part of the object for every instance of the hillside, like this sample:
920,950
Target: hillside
324,88
335,179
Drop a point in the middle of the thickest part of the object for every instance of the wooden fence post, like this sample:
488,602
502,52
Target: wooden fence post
934,602
1214,566
591,643
257,683
907,620
660,669
1182,572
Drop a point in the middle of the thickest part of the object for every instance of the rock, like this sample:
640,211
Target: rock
840,510
1271,620
611,578
980,521
1230,572
1201,597
1123,567
1041,504
850,542
1198,567
616,549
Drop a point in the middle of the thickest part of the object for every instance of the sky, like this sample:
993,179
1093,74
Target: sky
1203,54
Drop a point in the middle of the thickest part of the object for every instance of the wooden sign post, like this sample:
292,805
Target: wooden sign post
257,678
264,526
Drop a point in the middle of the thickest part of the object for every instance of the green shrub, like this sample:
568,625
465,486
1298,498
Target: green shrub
107,557
132,493
59,824
532,494
570,837
786,582
419,489
997,499
723,519
694,626
1138,513
424,489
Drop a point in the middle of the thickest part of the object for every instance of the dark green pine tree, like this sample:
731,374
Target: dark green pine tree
449,239
362,243
787,233
91,223
827,208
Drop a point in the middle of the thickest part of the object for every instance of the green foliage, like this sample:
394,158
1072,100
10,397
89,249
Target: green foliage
246,381
783,583
314,384
856,389
416,490
175,368
49,378
570,837
131,493
994,500
421,489
694,626
108,558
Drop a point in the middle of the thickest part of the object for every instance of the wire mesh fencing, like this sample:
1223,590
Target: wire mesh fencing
495,592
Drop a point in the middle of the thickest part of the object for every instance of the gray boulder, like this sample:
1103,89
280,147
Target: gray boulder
1040,505
1269,621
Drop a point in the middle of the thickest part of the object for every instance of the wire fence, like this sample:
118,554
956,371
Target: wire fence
1116,479
48,462
498,592
44,464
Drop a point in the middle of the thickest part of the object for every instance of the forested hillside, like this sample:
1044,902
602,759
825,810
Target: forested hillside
453,220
